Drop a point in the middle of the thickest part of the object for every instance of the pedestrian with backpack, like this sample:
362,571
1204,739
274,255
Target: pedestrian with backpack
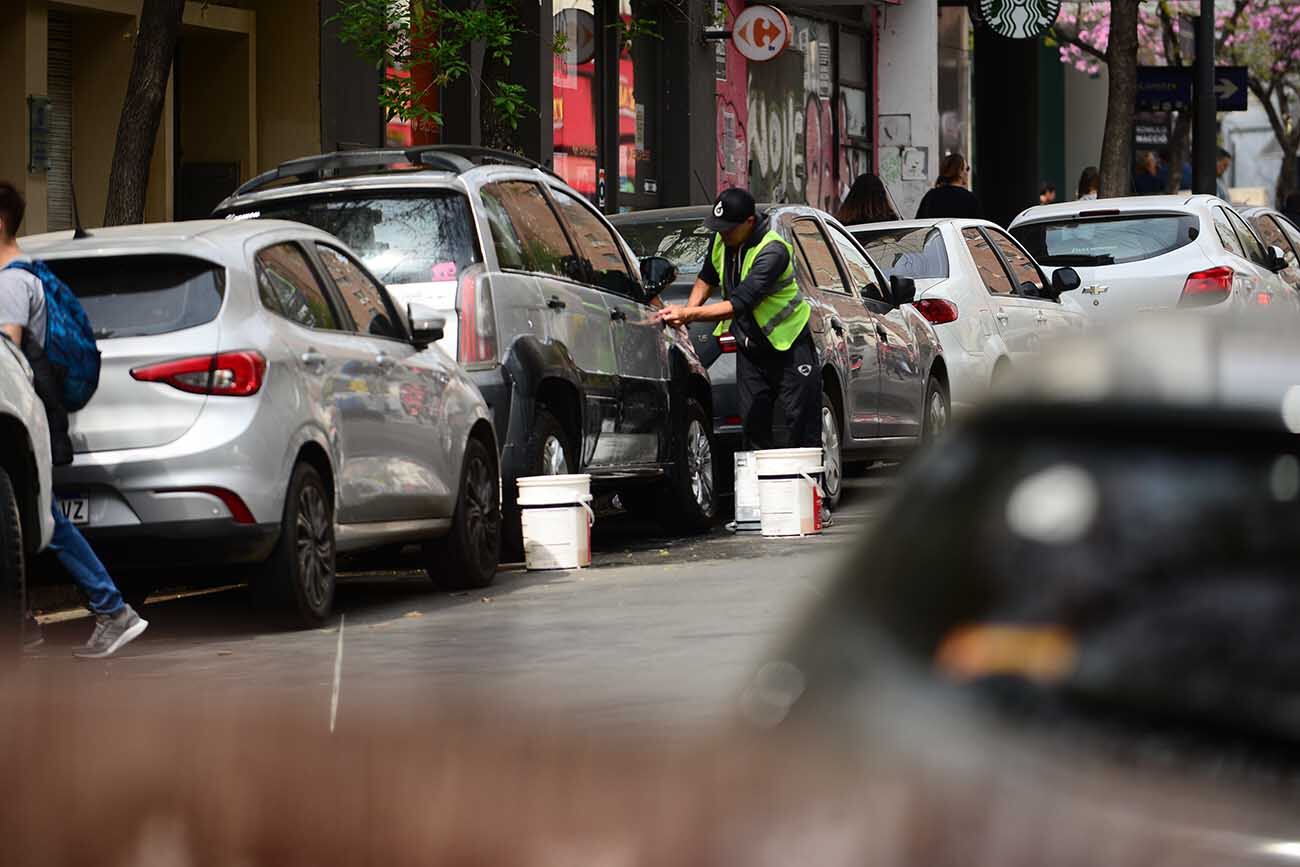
39,313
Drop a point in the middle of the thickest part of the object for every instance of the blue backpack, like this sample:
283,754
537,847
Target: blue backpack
69,337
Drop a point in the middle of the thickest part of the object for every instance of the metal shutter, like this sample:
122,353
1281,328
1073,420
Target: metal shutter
59,177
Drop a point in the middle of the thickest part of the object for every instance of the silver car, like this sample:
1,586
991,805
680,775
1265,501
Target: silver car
262,402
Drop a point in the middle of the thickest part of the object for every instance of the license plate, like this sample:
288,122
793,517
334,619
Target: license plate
76,510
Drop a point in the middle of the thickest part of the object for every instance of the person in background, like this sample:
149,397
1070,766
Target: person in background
1047,193
1146,175
867,202
1089,184
950,196
1220,169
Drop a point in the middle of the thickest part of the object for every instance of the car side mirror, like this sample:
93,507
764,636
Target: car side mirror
657,273
426,325
1065,280
902,290
1276,259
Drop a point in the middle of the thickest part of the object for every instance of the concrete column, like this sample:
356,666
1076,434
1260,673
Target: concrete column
907,123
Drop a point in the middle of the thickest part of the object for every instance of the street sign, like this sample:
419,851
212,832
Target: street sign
1169,88
1151,132
761,33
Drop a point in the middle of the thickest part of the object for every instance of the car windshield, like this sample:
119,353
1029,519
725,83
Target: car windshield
684,242
1107,240
419,237
918,253
140,296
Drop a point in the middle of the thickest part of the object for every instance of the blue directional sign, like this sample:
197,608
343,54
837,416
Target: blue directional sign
1169,88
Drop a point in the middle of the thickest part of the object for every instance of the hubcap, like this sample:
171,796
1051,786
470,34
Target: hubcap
554,462
699,464
315,547
482,511
834,472
938,413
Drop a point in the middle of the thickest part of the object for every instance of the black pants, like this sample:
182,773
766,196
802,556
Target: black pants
792,379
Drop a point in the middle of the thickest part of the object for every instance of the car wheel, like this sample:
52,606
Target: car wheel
548,451
13,566
467,557
832,455
691,500
937,410
300,575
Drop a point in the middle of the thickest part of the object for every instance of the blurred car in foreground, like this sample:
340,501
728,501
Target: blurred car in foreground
1151,254
262,402
987,299
885,379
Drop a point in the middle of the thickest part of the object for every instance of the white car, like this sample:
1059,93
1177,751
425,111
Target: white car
26,516
1156,253
989,302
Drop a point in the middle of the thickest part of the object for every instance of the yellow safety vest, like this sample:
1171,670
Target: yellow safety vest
781,314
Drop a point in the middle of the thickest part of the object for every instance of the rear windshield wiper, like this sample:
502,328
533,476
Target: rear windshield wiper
1079,259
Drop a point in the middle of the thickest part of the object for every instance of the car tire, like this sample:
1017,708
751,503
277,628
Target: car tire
938,409
832,453
13,567
467,557
689,502
299,578
539,459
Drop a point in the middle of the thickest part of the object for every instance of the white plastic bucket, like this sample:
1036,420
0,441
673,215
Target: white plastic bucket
748,513
556,515
789,492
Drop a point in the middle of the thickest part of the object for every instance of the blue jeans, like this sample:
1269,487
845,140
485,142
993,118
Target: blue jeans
87,572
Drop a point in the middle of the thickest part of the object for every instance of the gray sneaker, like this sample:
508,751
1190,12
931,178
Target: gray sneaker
112,633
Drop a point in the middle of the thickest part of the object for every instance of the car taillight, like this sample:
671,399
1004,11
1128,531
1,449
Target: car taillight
936,310
230,374
476,338
1207,287
727,342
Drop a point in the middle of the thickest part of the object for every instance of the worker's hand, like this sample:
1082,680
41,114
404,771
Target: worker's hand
677,315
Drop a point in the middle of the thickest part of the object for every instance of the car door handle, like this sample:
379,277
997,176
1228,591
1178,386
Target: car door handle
555,303
1041,317
838,326
312,358
617,316
384,360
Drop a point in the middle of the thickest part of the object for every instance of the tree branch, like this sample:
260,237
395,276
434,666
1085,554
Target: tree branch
1266,98
1238,7
1072,39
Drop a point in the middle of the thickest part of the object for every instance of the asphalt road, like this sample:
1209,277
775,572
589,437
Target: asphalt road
657,629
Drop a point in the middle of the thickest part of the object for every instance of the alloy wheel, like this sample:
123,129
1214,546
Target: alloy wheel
315,547
699,466
834,469
482,511
554,460
936,414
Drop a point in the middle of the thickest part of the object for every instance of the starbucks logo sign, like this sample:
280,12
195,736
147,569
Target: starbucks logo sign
1015,19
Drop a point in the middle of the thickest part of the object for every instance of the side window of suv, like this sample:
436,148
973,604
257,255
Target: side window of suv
825,272
1027,276
528,230
288,286
598,251
367,301
987,263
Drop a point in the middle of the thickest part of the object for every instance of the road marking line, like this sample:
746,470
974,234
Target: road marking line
338,675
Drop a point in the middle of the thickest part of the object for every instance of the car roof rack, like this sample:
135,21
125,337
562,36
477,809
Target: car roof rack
446,158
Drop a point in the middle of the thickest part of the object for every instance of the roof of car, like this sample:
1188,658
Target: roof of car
1123,204
893,225
687,212
114,239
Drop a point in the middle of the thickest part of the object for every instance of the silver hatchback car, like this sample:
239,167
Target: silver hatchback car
263,402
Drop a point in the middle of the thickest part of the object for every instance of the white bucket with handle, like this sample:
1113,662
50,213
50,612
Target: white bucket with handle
789,491
748,513
556,515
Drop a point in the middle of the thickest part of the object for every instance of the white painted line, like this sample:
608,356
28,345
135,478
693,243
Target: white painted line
338,676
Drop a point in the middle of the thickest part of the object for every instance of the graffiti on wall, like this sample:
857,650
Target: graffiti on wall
732,109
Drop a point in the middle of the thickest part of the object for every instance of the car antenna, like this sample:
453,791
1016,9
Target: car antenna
79,231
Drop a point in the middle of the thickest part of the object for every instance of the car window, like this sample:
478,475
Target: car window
864,276
986,261
1271,233
685,243
1109,240
1293,240
141,296
597,247
1027,276
821,261
367,301
534,232
1227,235
917,253
1254,249
288,286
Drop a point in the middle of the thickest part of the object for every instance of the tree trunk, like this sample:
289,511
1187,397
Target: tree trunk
1180,151
1121,63
1287,175
155,48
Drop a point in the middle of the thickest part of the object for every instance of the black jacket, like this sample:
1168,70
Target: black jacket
949,200
49,388
763,279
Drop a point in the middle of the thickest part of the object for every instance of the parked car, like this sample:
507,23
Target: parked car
1153,253
990,303
885,377
546,310
26,490
1276,230
262,401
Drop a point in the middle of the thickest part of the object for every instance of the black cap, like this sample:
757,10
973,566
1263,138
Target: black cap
733,207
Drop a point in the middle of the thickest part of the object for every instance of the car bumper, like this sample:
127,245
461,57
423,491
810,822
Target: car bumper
498,393
183,544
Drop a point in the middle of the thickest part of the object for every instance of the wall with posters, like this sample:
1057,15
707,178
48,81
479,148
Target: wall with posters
907,138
